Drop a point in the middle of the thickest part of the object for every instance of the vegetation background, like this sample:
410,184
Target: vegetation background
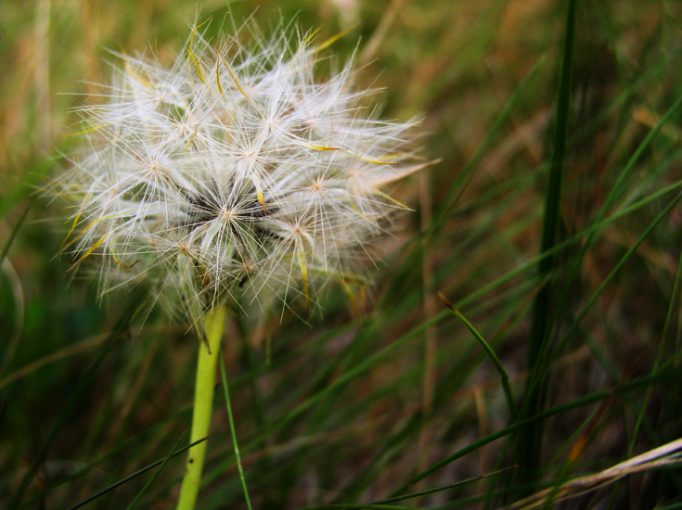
392,400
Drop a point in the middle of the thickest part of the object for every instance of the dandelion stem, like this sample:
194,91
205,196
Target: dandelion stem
209,352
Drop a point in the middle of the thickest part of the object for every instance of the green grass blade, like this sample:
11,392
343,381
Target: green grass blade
233,434
132,476
149,482
76,395
662,376
13,234
529,439
504,377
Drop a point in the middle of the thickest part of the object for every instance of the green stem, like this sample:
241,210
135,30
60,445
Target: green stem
233,433
529,439
209,352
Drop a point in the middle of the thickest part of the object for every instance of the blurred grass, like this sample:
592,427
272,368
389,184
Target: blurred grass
529,441
335,412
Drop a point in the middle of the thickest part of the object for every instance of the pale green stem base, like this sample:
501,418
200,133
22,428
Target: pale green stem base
209,352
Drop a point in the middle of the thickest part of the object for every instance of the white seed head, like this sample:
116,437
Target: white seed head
232,175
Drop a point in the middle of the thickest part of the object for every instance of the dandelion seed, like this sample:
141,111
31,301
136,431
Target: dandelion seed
254,185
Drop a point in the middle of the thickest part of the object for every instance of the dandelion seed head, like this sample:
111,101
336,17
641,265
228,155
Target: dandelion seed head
233,175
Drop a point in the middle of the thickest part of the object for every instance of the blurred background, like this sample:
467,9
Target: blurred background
390,400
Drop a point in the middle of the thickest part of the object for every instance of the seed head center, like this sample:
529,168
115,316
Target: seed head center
228,214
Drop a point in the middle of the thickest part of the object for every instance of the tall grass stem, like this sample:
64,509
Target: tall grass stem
233,433
529,441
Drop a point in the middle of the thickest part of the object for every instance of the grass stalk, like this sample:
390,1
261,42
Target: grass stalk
529,439
504,377
209,352
233,433
429,310
138,497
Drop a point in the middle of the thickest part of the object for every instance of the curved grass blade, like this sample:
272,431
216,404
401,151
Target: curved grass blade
134,475
504,377
149,483
14,232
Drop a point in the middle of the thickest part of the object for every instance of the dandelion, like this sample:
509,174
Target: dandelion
231,178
